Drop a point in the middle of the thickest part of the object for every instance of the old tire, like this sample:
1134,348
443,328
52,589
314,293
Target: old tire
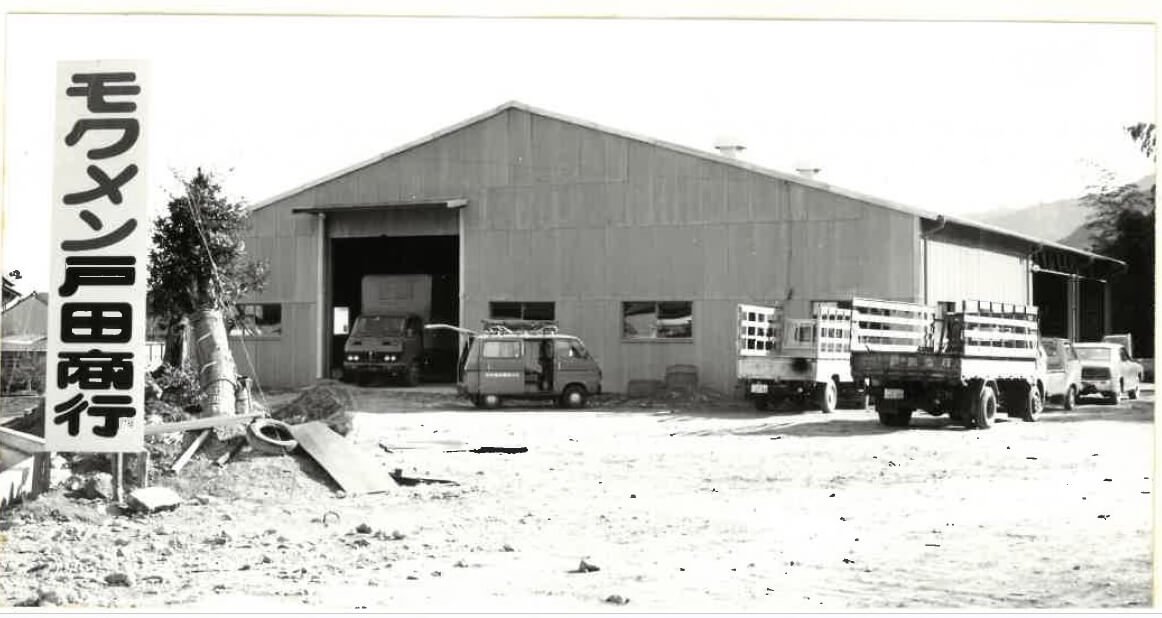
1032,405
984,407
573,397
267,435
1070,399
827,396
896,418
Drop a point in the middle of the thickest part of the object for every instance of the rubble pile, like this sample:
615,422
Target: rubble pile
327,401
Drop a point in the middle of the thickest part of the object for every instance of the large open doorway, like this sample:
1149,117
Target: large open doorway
438,256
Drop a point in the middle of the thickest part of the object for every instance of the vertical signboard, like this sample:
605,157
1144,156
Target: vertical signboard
94,379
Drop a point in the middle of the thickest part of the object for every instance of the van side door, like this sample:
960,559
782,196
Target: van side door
502,367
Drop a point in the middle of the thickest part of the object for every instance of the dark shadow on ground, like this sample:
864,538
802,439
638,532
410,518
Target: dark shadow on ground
1130,412
827,426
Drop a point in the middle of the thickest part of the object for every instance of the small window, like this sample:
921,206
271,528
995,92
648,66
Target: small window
657,320
511,310
1125,355
502,349
257,320
340,321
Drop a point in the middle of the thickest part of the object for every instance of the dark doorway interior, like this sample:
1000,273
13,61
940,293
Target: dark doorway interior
1051,296
1091,298
439,256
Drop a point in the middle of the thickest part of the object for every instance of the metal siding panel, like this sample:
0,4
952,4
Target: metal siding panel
616,157
716,260
520,149
640,203
592,156
712,192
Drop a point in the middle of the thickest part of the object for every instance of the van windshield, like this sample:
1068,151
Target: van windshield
377,326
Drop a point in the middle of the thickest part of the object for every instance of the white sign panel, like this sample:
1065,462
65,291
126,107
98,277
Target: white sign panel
94,379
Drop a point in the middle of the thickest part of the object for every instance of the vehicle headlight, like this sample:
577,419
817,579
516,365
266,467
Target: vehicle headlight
352,357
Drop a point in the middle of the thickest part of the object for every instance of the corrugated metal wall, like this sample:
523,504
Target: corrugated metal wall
591,220
563,213
957,271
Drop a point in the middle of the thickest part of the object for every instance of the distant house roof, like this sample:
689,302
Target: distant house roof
40,296
23,343
940,219
9,291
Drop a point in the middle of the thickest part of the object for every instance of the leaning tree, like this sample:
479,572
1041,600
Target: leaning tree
197,271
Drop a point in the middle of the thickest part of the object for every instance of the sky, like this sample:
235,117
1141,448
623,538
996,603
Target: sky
958,118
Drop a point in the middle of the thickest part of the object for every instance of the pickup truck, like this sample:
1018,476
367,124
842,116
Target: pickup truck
971,360
798,359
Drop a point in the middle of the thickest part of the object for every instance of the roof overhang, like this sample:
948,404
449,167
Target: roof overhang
1046,256
453,203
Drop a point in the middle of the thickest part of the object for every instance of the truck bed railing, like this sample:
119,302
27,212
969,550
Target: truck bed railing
758,329
1003,330
891,326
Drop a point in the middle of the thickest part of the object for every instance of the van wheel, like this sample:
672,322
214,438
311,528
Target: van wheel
1133,394
827,396
412,377
573,397
487,401
1033,405
1070,398
984,407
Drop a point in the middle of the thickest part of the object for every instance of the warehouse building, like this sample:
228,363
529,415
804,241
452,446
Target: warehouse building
642,248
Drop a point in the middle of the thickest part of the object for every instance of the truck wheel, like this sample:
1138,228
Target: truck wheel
412,377
1070,400
1133,394
898,418
1113,397
1033,405
827,396
762,404
984,407
573,397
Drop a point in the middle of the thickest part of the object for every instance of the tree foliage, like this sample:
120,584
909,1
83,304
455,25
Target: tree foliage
1121,221
198,260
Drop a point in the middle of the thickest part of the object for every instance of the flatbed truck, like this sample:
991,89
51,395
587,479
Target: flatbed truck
972,360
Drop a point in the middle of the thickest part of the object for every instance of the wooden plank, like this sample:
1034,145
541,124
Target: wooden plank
355,472
189,453
201,423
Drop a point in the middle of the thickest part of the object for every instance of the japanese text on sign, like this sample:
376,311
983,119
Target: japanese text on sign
94,390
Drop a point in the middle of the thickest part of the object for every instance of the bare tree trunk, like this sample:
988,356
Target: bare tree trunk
214,362
176,352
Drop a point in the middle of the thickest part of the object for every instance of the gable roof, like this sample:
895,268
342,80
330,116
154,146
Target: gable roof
941,219
41,296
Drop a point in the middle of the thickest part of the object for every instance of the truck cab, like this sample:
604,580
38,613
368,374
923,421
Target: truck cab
385,344
525,360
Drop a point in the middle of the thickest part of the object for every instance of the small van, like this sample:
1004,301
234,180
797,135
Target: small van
517,359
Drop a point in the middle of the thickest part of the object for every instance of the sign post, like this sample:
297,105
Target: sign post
96,354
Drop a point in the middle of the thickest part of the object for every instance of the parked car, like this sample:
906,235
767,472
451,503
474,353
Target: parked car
1107,370
1062,371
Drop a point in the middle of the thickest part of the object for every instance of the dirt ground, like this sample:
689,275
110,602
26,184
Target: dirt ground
703,508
